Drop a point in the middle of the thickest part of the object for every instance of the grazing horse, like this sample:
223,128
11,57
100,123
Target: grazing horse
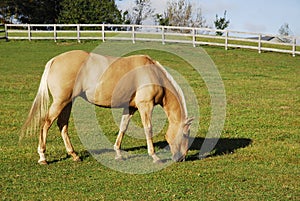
133,83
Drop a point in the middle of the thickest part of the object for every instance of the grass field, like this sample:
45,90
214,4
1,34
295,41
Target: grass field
257,157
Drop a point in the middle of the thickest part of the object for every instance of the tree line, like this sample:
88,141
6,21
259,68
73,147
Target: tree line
59,11
178,13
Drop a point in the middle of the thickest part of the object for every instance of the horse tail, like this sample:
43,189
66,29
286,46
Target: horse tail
39,108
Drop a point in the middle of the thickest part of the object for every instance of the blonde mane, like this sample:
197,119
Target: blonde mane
176,86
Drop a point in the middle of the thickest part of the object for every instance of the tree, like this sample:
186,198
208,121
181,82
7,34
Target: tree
60,11
38,11
163,21
30,11
89,11
221,23
125,18
139,12
285,30
7,10
181,13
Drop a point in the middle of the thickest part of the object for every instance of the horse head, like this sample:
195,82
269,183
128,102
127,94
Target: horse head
180,144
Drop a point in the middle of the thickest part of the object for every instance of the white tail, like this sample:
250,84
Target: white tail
40,105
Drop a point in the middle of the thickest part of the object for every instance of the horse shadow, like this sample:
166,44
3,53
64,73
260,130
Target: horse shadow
213,147
204,147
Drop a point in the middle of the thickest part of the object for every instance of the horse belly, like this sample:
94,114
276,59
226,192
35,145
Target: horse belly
88,79
110,95
127,93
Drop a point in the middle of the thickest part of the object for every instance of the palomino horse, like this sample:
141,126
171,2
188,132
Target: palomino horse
133,83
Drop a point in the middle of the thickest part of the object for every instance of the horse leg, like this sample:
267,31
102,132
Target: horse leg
62,123
42,142
53,113
146,109
127,114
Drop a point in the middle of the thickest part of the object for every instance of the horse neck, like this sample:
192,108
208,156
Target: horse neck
174,106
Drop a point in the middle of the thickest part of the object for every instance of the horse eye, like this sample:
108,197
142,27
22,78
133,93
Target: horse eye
186,135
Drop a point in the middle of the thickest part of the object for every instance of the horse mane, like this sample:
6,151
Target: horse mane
175,85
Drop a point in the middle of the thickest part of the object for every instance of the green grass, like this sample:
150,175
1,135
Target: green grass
263,107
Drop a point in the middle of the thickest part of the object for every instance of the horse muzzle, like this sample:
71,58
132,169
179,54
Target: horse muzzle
179,157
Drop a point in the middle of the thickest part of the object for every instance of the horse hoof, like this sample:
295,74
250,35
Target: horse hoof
119,158
158,162
43,163
77,159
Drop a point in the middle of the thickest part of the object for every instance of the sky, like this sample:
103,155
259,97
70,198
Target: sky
262,16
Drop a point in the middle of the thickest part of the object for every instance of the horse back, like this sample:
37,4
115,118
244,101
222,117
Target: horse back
127,81
105,81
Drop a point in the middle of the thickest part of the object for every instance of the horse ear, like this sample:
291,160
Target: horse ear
189,121
187,125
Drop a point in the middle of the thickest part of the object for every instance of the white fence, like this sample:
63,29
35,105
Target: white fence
163,34
2,31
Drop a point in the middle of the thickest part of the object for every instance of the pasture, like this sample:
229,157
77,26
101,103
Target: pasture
256,158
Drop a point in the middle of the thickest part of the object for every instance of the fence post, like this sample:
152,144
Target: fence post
226,40
103,33
294,46
78,33
259,43
29,32
6,32
194,37
54,33
133,34
163,35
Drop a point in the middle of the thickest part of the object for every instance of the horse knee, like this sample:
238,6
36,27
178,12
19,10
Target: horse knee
61,124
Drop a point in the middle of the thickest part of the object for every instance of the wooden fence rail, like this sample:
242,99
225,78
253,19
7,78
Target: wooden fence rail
164,34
